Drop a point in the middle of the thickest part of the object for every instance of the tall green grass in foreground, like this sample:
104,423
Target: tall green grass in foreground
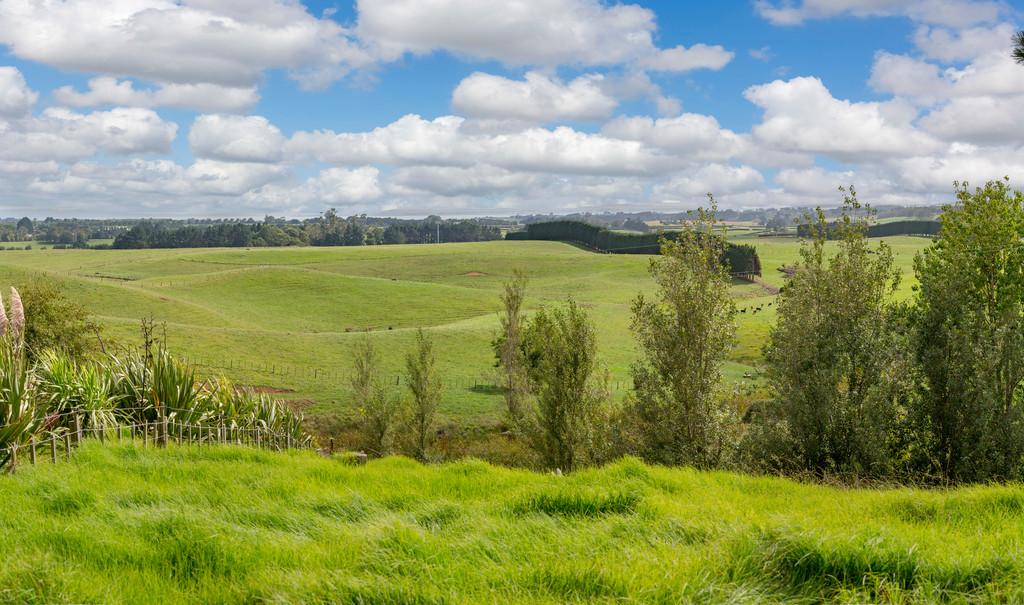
118,523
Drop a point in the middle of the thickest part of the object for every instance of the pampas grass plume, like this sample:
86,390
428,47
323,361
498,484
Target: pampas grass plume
3,318
17,315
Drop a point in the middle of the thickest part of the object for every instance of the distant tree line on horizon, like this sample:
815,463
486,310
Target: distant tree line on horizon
329,229
881,229
779,218
739,258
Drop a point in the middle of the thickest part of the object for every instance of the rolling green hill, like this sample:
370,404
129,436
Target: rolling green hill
287,317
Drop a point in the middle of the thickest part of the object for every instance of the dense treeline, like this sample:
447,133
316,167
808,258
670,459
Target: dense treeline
883,229
326,230
859,385
932,389
740,258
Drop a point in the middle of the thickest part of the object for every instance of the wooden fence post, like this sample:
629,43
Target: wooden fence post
76,426
163,431
53,449
14,459
32,451
67,443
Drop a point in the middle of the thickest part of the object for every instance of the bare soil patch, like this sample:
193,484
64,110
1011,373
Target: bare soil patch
473,274
263,389
768,287
298,404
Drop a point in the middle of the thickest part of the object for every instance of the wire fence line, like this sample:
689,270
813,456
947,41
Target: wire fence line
320,374
336,376
60,443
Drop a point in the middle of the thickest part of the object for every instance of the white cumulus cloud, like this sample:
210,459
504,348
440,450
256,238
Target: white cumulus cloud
236,139
525,32
680,58
62,135
211,98
340,187
802,115
536,98
718,179
187,42
688,137
16,98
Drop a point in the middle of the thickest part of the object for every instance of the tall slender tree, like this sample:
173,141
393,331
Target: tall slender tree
509,348
377,406
684,336
427,388
570,392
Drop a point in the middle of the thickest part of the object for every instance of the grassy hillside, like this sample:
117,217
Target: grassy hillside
270,317
118,523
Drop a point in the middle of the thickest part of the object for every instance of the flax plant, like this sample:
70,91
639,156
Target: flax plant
65,385
20,417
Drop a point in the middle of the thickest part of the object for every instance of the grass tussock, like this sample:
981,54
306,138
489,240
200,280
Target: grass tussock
576,503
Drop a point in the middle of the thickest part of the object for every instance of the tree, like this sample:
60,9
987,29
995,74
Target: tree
1018,47
970,343
427,389
509,348
569,395
377,407
684,337
831,357
54,321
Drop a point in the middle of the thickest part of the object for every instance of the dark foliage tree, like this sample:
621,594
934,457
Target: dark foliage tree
831,359
970,343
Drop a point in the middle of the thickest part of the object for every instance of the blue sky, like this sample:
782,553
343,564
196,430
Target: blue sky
480,107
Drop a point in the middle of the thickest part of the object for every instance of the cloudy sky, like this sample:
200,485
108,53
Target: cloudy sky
174,108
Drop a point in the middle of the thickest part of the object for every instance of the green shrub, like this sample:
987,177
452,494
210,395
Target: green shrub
571,396
54,321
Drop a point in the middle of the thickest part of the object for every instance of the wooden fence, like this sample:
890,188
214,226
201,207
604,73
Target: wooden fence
159,432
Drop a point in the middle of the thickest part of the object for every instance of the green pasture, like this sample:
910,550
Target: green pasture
287,318
119,523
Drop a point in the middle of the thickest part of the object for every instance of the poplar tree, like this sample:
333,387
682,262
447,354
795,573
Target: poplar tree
684,336
427,388
509,348
570,393
377,407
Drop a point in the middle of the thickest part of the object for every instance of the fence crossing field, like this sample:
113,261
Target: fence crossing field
51,446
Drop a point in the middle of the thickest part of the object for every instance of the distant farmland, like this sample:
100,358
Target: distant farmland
286,318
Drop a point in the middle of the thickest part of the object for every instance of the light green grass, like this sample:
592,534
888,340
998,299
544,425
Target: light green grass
119,524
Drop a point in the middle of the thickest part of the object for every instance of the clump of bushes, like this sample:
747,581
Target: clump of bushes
38,392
